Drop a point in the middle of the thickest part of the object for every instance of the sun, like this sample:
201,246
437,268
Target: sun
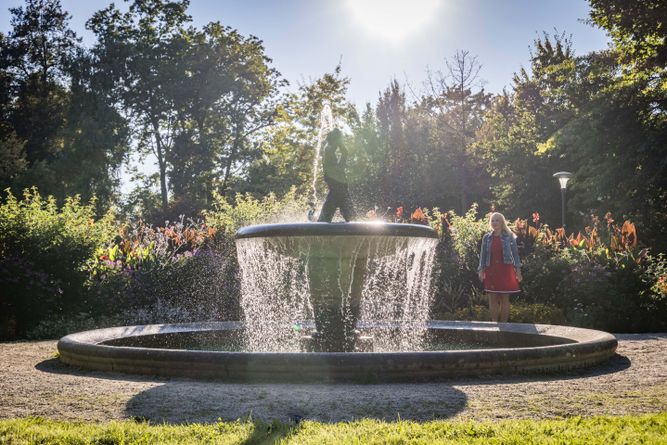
393,21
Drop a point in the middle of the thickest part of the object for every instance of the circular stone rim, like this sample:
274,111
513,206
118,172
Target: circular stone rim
336,229
84,350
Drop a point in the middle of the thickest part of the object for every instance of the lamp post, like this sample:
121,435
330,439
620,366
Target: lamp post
563,177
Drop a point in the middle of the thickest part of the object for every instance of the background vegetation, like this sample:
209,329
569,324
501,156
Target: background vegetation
234,144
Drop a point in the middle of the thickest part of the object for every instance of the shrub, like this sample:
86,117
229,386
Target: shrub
229,216
600,279
519,313
43,255
455,280
185,271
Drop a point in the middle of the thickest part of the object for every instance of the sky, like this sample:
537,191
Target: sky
378,40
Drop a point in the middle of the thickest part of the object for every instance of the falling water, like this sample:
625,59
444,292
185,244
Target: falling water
275,297
397,294
326,125
277,301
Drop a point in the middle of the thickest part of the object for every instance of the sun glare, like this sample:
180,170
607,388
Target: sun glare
393,20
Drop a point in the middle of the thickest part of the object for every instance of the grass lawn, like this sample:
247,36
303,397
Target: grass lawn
643,429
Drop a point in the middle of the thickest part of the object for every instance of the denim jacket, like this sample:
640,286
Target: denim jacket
510,251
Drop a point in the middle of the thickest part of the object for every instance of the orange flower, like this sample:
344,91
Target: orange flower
418,217
629,234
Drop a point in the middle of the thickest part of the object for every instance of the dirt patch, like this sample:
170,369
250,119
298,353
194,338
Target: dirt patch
34,383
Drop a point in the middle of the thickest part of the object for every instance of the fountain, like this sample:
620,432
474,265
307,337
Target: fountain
349,272
329,301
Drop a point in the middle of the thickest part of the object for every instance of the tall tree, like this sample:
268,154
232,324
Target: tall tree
513,137
12,149
139,48
457,101
198,98
397,165
366,161
638,29
61,131
39,49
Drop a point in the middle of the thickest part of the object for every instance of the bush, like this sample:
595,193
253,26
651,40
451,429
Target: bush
185,271
43,255
519,313
246,210
600,279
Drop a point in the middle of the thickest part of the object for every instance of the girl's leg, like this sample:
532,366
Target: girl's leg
494,306
504,307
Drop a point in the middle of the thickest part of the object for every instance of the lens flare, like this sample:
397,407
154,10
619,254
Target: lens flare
393,21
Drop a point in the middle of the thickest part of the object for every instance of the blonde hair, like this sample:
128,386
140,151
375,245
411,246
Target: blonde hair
504,228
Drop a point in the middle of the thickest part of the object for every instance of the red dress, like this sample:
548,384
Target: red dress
500,277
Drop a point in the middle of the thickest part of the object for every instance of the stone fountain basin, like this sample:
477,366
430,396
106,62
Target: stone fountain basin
336,240
510,348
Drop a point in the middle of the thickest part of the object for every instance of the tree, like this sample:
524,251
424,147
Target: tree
60,131
37,53
457,102
366,161
198,98
520,123
638,29
397,164
12,149
95,136
139,48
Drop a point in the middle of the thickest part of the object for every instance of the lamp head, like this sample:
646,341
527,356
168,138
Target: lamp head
563,177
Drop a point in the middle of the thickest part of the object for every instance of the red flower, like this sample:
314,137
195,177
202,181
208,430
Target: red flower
536,217
399,213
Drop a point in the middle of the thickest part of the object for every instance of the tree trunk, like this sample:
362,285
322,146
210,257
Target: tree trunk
162,166
238,128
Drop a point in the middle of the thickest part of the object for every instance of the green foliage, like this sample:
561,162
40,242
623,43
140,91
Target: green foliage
157,65
637,28
44,250
247,210
288,147
519,313
599,430
600,280
59,130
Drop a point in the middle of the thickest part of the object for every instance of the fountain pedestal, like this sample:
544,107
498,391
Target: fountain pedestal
337,282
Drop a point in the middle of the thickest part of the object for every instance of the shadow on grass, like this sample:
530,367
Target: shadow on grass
266,433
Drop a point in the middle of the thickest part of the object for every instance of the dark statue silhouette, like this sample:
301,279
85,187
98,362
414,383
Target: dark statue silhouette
333,164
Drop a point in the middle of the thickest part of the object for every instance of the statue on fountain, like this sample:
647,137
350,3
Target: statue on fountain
333,164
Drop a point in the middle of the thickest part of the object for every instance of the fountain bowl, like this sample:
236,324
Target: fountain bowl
336,240
180,350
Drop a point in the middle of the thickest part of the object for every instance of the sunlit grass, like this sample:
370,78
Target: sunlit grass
650,428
